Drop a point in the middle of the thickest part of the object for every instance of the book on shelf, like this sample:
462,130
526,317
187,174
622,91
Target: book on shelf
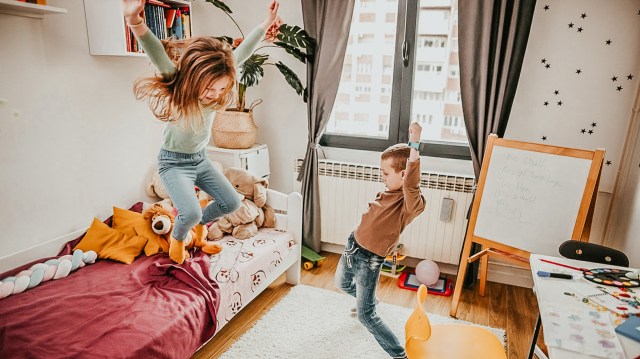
164,20
186,23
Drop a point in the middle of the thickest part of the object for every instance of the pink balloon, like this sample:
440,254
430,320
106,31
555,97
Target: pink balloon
427,272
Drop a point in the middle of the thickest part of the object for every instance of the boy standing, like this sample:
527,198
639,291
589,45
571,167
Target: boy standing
378,233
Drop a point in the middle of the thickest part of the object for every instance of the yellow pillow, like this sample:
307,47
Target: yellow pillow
134,224
111,243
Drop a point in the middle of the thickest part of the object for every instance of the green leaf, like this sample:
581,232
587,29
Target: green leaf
291,77
297,37
220,5
293,51
252,70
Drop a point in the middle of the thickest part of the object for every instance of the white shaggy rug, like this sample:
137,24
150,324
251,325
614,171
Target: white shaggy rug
316,323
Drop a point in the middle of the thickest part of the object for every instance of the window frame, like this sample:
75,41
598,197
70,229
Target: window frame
402,88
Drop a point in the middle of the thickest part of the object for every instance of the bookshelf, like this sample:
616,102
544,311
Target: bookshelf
17,8
106,28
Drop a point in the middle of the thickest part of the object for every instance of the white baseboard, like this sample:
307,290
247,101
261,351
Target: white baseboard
47,249
498,272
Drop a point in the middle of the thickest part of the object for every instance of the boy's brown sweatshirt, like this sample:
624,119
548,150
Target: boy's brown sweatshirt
391,211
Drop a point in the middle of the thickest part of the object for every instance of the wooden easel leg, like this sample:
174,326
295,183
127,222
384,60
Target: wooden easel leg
482,271
462,270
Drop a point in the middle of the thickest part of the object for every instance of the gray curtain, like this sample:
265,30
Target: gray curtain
492,39
327,21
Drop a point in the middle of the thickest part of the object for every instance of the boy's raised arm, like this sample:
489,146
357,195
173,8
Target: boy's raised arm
413,200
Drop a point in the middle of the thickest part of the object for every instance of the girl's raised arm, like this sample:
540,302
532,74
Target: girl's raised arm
133,11
250,43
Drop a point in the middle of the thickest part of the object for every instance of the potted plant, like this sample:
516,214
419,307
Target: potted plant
293,40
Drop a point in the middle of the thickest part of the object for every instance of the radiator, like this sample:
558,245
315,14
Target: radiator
347,188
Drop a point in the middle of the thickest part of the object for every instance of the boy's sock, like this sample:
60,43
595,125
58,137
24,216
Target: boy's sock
177,251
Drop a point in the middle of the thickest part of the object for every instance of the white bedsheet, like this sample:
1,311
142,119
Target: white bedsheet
243,265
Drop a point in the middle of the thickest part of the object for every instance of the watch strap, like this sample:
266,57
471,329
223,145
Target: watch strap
415,145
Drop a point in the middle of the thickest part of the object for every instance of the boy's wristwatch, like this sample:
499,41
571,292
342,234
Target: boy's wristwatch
415,145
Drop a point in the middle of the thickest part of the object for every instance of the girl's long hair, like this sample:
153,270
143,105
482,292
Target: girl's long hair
200,61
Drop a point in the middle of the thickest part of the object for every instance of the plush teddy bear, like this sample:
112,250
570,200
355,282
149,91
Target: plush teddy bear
162,220
253,212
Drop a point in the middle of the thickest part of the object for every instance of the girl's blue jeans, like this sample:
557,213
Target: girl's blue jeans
180,172
357,274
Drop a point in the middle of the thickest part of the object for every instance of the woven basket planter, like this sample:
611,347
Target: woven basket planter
235,129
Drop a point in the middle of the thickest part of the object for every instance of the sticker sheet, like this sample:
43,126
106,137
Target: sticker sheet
582,330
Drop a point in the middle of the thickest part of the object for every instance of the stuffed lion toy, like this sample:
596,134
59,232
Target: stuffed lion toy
162,221
253,212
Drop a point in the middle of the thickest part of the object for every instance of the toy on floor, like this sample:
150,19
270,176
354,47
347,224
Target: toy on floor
391,264
55,268
311,259
443,285
427,272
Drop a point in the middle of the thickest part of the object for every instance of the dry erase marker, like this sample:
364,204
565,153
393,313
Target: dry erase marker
554,275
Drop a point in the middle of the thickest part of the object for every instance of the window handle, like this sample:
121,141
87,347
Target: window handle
405,54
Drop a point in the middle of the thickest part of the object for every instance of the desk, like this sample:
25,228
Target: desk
550,292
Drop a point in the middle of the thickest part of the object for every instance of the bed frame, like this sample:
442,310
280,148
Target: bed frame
288,210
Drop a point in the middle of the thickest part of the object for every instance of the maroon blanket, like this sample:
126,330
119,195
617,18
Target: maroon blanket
152,308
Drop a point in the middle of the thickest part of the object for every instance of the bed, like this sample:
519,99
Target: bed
152,307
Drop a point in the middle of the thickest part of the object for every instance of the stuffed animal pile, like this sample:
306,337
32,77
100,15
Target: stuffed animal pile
242,224
55,268
253,212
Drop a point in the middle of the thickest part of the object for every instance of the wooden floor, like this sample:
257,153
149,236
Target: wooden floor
513,309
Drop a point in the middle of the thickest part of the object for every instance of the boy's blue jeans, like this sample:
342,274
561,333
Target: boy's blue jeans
180,172
357,274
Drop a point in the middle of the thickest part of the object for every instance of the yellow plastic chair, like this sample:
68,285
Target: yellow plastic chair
448,341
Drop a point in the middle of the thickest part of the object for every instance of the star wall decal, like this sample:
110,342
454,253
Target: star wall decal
547,65
608,163
590,132
619,88
583,15
593,124
579,71
546,103
571,25
544,138
580,29
543,60
608,42
559,103
583,130
614,78
546,7
630,77
556,92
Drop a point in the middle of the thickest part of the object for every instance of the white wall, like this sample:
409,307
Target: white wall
588,98
73,140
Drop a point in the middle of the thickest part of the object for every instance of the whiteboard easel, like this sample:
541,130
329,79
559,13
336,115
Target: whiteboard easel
530,198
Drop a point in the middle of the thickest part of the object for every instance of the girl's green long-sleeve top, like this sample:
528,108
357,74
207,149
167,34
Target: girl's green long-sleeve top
184,139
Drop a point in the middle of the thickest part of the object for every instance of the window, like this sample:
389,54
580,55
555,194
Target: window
374,108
